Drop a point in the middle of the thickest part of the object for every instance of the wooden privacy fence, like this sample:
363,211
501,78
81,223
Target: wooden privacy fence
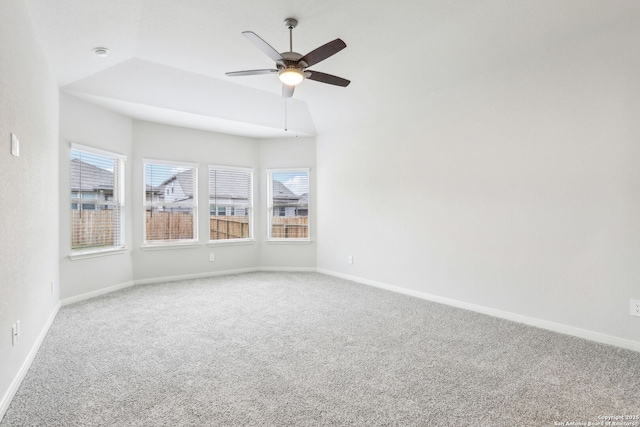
228,227
292,227
237,227
169,225
91,228
97,227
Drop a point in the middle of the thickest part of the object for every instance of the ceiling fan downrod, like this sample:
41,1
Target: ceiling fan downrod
291,23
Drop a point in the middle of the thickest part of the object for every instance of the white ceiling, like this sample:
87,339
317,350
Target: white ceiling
168,57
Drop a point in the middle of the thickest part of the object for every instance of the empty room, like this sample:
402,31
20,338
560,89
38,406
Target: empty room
296,213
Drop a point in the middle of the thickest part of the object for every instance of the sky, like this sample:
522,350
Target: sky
296,181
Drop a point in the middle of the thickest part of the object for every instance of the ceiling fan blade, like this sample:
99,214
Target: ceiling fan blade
323,52
327,78
250,72
287,91
263,46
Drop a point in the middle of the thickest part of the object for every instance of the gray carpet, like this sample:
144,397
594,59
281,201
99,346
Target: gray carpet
299,349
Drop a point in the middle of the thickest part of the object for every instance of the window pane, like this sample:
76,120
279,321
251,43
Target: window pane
230,203
169,184
96,206
170,208
289,204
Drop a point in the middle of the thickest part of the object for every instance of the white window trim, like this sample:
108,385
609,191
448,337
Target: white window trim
97,151
99,253
292,241
226,242
182,243
281,240
111,250
230,242
171,245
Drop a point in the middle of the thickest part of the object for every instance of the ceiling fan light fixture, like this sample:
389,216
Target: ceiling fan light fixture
291,76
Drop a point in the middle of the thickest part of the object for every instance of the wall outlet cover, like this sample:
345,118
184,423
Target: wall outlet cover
634,307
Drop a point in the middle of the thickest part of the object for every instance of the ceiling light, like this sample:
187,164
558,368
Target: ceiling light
290,76
101,51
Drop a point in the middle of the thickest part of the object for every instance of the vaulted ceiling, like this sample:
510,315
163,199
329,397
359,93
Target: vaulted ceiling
168,58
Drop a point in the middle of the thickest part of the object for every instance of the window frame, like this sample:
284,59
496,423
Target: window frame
270,206
118,200
170,242
250,171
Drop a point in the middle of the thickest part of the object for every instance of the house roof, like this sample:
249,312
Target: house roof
92,178
304,199
281,192
184,180
228,186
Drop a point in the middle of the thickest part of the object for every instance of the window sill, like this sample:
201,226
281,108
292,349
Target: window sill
288,241
95,254
230,242
166,246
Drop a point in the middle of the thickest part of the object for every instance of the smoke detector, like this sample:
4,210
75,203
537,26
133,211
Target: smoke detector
101,51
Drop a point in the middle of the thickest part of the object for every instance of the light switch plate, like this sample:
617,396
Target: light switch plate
15,145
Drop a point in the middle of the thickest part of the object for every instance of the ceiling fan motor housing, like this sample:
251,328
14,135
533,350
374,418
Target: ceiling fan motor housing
291,60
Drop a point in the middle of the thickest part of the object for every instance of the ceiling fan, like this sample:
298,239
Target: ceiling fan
291,67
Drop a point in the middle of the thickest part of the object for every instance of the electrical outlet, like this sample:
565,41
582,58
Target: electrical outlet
350,259
634,307
14,334
212,257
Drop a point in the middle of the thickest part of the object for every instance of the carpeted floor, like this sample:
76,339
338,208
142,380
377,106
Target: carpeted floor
300,349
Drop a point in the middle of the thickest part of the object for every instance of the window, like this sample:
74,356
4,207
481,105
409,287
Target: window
97,200
170,202
288,204
230,203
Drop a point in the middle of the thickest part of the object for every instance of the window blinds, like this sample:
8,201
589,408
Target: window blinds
96,200
230,203
170,202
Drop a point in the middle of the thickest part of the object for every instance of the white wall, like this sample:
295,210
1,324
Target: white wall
163,142
281,154
516,190
87,124
28,190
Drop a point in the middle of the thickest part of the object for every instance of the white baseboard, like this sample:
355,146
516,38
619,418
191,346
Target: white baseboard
532,321
96,293
290,269
194,276
161,279
17,380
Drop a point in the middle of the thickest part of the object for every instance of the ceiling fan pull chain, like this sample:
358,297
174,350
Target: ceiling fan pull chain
285,115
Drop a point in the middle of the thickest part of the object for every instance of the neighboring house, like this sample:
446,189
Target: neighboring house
91,185
230,198
178,188
175,189
230,195
287,203
153,194
303,210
